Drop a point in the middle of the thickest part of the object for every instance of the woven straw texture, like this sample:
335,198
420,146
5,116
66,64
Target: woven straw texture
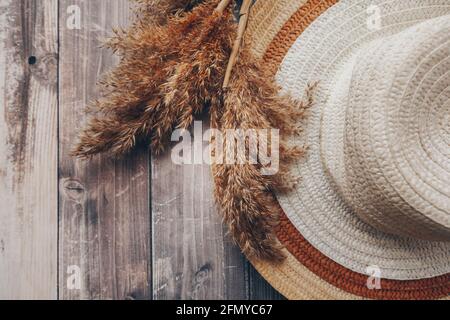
316,207
284,277
271,16
385,144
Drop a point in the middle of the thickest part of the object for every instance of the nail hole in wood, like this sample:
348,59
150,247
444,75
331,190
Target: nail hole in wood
32,60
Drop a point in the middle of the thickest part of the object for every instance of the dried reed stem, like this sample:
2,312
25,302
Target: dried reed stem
222,6
244,13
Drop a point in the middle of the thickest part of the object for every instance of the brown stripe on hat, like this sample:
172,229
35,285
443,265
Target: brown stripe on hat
292,29
353,282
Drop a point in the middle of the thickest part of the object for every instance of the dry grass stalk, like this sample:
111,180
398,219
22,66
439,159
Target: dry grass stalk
243,21
158,11
223,4
173,68
167,74
244,194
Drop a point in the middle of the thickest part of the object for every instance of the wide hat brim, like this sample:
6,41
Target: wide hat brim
290,35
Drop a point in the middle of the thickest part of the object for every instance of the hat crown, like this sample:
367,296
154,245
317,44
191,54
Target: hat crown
393,167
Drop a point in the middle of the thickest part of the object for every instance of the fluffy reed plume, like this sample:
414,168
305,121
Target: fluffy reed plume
171,69
198,76
166,75
158,11
244,194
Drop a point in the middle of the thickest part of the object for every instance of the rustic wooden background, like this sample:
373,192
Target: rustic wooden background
137,228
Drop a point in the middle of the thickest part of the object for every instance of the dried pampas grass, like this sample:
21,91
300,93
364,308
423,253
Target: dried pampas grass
159,11
244,193
166,75
173,68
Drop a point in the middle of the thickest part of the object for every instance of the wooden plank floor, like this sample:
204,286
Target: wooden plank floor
135,228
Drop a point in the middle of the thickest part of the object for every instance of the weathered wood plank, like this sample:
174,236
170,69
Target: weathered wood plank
192,259
28,149
104,203
259,288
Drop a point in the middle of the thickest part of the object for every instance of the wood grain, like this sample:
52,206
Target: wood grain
259,288
192,258
28,144
60,215
104,203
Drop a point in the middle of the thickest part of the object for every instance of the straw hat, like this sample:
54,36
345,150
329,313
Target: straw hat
375,188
